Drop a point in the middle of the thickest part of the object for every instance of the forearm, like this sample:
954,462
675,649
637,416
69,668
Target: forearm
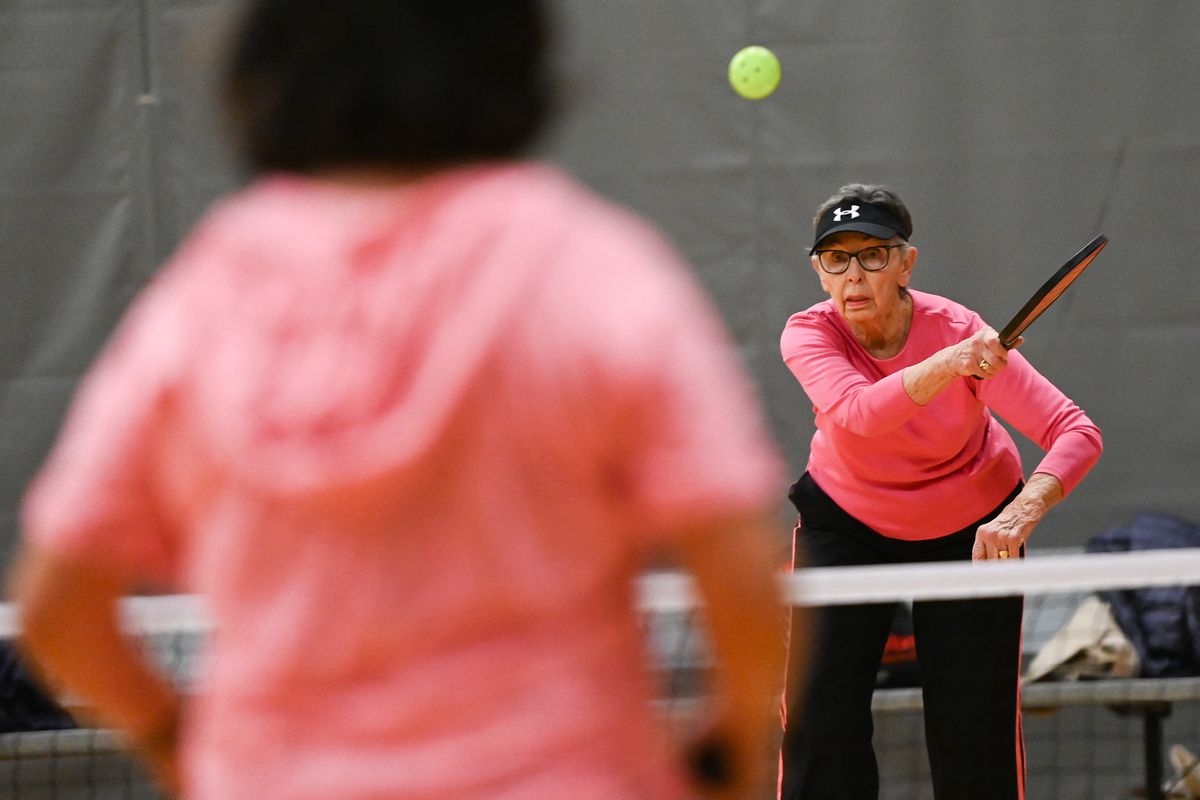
735,570
924,380
747,630
1004,536
1040,494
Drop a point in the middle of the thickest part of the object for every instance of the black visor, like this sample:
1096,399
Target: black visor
855,215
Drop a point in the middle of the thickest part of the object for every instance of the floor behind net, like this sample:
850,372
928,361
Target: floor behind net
1088,753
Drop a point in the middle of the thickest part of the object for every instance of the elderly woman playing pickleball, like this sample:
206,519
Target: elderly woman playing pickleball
910,463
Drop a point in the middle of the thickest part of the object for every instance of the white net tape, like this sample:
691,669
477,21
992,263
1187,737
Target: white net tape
667,592
1045,574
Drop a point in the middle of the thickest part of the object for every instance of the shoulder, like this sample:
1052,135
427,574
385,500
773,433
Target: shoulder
262,216
560,201
609,281
822,313
602,230
944,313
818,320
269,200
602,250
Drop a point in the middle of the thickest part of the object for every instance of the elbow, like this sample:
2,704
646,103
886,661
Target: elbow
37,612
1084,434
1096,439
874,413
867,426
857,418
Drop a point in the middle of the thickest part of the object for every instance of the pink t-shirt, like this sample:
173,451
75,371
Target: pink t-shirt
412,444
917,472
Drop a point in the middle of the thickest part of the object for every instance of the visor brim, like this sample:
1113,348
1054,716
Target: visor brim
869,228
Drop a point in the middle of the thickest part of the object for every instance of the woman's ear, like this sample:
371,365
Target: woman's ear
906,265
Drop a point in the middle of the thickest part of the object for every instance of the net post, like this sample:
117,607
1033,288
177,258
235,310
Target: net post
1153,715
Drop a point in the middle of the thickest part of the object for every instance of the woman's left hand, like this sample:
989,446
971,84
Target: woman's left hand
1004,536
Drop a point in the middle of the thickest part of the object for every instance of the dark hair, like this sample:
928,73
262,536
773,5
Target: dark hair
872,193
317,84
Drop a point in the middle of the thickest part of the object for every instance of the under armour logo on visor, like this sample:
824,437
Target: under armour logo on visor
851,212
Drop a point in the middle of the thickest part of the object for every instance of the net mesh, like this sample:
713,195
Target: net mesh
1094,727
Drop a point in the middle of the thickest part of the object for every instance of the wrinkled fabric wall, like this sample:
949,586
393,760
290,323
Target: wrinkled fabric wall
108,152
1015,130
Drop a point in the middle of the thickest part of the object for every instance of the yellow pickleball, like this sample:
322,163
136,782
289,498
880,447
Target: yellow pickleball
754,72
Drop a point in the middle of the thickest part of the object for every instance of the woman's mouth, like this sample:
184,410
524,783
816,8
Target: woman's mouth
856,300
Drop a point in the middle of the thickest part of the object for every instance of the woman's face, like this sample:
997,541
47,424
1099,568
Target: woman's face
860,295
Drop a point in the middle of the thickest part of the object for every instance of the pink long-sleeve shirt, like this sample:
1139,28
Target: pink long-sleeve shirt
918,472
412,444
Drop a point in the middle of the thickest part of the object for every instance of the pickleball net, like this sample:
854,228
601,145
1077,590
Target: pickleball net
1095,727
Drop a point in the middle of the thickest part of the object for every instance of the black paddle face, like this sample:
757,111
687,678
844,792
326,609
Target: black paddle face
1051,290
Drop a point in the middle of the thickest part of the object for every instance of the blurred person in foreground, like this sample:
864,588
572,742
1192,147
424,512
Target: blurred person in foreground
410,413
909,464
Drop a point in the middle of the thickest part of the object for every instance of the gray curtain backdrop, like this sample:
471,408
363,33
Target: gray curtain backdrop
1016,130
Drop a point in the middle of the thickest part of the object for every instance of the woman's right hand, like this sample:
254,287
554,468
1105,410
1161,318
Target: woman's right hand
980,355
725,763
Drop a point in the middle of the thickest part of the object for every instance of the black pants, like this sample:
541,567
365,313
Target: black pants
969,657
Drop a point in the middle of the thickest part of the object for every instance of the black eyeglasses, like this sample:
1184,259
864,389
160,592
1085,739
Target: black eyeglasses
872,259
